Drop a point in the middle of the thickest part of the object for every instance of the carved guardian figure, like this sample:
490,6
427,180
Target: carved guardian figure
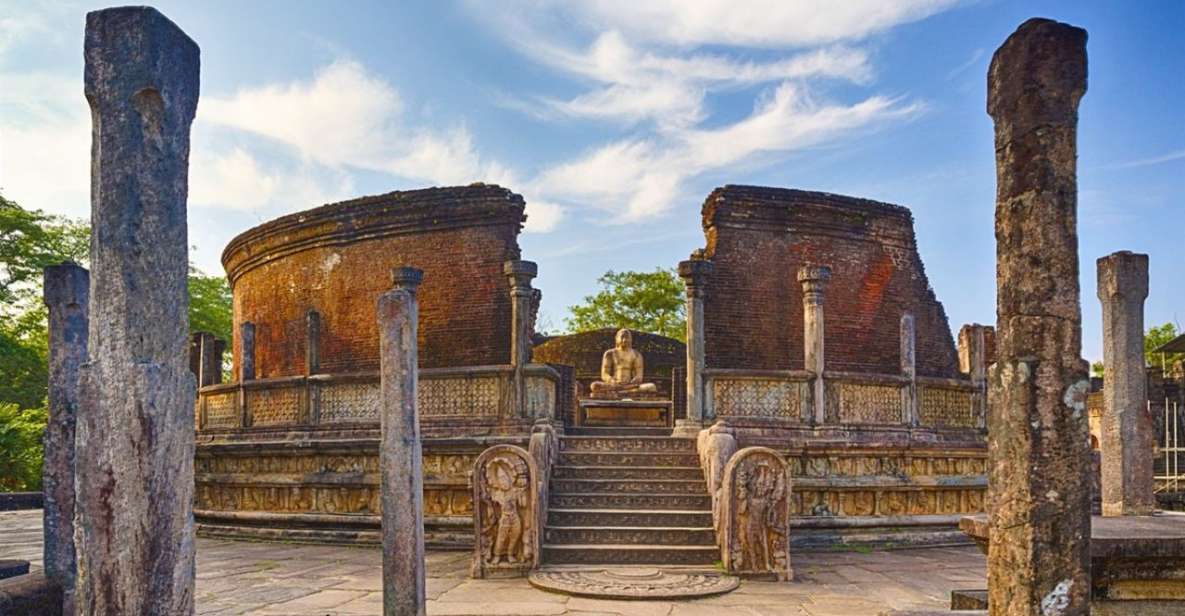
505,512
756,514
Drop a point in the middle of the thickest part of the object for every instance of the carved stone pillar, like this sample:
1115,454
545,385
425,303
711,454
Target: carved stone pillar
814,280
1038,439
67,292
973,360
205,358
400,455
695,273
312,349
247,351
909,368
1127,439
135,435
520,273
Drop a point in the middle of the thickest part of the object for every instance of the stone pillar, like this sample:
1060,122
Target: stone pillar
247,352
695,273
1038,440
520,274
134,533
400,456
205,358
1127,438
312,349
67,290
973,361
909,368
814,280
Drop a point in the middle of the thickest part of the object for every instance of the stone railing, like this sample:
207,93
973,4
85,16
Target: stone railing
761,397
471,394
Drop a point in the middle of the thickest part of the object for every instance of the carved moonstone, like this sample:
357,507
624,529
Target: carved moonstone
505,512
756,514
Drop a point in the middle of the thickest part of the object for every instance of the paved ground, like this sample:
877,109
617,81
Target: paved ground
290,580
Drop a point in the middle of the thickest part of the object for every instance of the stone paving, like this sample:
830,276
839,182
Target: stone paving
291,580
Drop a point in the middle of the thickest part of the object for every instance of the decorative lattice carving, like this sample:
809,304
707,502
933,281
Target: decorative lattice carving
773,398
350,402
222,410
274,406
946,408
476,396
865,403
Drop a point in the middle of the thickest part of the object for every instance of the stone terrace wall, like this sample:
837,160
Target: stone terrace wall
338,258
758,237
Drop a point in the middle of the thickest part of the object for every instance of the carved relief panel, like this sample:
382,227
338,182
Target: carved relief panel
756,514
505,512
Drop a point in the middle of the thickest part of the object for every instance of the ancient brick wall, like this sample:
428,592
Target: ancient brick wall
337,259
759,237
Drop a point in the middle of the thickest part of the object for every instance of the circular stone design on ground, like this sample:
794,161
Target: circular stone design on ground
633,582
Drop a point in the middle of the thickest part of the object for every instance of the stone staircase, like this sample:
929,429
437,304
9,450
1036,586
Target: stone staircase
628,496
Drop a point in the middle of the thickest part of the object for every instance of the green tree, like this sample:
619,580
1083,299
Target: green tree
209,304
1157,336
644,301
21,449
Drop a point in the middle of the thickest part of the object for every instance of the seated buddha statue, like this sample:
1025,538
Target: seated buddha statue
621,370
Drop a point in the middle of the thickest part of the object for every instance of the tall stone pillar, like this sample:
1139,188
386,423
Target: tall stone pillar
247,351
67,291
134,533
909,368
520,274
973,360
1038,446
1127,438
814,280
400,456
205,358
695,273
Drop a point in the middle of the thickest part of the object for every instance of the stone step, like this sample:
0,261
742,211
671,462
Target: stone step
630,554
615,500
628,535
628,444
616,431
629,486
628,517
627,472
588,458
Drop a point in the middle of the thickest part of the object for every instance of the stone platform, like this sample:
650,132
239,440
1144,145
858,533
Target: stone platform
237,577
633,413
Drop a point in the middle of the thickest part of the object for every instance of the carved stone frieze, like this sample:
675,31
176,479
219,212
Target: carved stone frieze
469,396
767,398
505,512
946,408
222,410
865,403
349,402
275,406
756,514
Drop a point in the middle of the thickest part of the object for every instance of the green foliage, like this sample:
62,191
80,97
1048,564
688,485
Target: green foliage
21,449
209,304
29,241
644,301
1157,336
1096,369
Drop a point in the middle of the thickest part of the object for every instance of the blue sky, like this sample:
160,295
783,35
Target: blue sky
615,118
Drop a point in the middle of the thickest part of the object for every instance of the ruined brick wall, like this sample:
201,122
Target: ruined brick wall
337,259
583,352
758,238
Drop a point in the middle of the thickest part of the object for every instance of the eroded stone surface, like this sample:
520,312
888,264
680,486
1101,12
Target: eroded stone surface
505,512
134,441
633,582
1038,437
756,514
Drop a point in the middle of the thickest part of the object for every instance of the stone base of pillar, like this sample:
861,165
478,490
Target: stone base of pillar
687,428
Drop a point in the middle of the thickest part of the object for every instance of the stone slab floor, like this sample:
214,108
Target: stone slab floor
290,580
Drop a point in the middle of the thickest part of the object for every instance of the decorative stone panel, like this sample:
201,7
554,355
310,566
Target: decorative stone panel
540,396
946,408
275,406
766,398
222,410
864,403
349,402
505,512
756,497
468,396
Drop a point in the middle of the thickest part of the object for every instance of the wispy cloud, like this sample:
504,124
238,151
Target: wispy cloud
962,68
1146,162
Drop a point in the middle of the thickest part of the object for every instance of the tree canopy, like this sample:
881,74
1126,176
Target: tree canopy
644,301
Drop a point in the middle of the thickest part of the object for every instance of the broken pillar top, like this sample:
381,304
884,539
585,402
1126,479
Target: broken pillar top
1038,75
135,48
65,284
1123,274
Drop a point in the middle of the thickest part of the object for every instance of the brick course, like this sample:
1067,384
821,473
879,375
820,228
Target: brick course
759,237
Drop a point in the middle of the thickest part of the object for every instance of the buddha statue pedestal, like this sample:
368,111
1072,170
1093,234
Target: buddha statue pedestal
633,413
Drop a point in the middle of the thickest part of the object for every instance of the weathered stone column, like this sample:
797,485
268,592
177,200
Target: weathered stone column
1038,447
520,274
400,456
312,349
695,273
909,368
814,280
208,360
973,361
67,291
134,532
247,351
1127,439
